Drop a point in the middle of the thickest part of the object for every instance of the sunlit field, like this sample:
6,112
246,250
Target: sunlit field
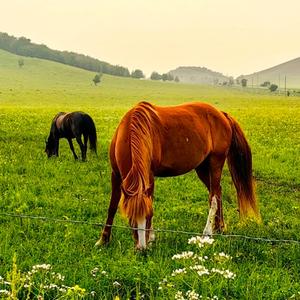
64,189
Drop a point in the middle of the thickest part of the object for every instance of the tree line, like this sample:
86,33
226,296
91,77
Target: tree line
23,46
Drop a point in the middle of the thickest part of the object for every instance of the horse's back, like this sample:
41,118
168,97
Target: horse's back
182,137
191,132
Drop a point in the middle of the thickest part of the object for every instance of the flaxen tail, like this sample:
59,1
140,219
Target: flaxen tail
239,161
136,201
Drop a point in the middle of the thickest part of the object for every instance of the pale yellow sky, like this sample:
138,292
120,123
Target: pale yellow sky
230,36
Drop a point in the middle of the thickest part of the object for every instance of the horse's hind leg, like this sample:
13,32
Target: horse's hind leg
215,220
113,206
72,148
82,148
85,142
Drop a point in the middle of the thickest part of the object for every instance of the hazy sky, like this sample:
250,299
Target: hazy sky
231,36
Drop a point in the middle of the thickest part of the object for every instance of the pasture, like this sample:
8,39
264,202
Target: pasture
62,188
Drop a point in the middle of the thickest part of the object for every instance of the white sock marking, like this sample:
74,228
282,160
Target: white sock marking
208,230
142,234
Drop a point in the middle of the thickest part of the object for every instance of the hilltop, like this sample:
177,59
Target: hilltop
24,47
198,75
277,74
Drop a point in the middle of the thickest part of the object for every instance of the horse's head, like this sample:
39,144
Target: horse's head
50,147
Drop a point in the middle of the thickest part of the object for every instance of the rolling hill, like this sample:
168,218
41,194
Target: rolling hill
289,70
200,75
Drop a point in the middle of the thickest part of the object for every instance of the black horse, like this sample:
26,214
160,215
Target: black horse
72,125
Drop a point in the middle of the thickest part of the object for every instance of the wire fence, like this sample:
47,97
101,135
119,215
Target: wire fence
67,220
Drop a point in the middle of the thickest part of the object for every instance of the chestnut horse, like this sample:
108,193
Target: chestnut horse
170,141
72,125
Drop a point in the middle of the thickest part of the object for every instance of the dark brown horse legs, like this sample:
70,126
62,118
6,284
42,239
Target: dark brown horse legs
113,206
82,148
72,148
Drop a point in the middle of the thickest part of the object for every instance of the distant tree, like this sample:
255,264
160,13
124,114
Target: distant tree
216,81
137,74
97,78
231,81
176,79
237,81
21,62
244,82
164,76
155,76
266,84
273,87
170,77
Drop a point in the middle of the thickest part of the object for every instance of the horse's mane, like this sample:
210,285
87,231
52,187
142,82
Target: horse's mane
142,126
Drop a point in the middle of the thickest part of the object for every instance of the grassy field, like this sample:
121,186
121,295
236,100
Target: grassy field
62,188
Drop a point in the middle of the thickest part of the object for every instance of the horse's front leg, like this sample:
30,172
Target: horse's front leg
113,206
72,148
56,147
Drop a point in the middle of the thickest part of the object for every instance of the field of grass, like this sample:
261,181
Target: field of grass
62,188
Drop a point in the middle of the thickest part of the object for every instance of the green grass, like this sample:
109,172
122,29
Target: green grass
62,188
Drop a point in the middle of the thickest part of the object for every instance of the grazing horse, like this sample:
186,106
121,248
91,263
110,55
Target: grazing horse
72,125
170,141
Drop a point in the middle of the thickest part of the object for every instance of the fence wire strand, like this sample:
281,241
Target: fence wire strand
67,220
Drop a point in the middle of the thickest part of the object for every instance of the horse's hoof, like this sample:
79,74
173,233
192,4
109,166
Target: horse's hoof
207,233
140,249
102,241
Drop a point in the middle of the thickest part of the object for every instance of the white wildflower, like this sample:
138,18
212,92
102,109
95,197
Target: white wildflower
222,256
5,293
192,295
116,284
200,241
94,272
45,267
183,255
179,296
93,293
229,275
201,270
58,276
225,273
178,271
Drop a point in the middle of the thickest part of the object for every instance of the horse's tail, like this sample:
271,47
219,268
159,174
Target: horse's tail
239,161
92,134
136,201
